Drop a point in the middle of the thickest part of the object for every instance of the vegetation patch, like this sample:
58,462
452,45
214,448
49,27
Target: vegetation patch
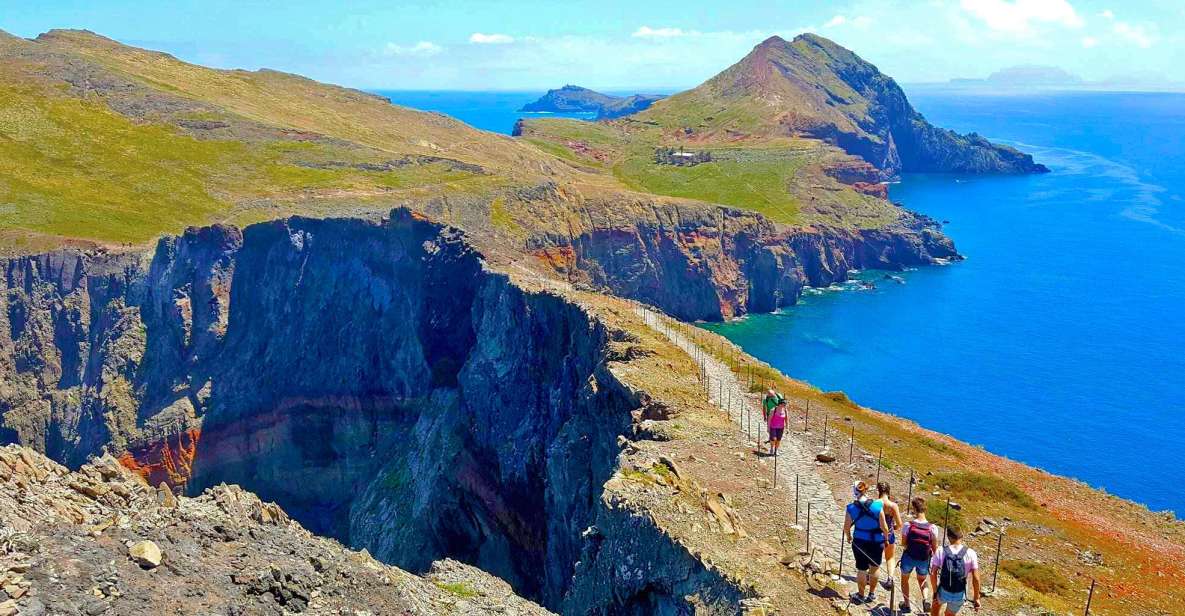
980,486
459,589
1037,576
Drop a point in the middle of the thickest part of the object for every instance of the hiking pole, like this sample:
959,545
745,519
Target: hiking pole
775,486
996,567
843,541
879,458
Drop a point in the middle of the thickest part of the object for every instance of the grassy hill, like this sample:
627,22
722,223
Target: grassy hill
105,142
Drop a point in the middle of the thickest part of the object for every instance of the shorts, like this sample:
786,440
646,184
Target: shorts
868,553
892,538
953,600
908,565
776,433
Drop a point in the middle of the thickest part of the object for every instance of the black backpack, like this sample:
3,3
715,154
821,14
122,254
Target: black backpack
953,576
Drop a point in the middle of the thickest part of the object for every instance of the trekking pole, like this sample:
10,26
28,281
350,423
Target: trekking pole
892,593
843,542
996,567
1089,598
879,458
775,486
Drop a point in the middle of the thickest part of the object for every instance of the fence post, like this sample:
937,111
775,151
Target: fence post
1089,598
825,432
945,522
843,542
852,444
910,497
808,526
796,499
996,567
807,417
879,458
775,486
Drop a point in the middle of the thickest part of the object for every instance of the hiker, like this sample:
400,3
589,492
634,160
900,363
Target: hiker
771,400
893,517
777,426
865,527
920,541
950,568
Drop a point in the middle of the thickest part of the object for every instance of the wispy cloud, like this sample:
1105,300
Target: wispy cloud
1107,14
1136,34
648,32
838,20
1020,16
1089,41
490,39
422,48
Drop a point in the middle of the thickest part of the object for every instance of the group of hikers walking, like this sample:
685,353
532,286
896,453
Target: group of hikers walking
874,526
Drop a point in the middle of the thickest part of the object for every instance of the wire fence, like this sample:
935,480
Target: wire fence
755,377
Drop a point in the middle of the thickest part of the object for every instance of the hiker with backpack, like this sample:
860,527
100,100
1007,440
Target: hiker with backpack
777,426
893,517
865,527
950,569
771,401
919,541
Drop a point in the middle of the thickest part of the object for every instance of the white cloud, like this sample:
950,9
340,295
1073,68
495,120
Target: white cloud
1089,41
1138,35
422,48
1019,16
860,22
648,32
1107,14
490,39
838,20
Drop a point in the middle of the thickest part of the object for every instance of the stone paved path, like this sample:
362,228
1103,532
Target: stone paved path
796,456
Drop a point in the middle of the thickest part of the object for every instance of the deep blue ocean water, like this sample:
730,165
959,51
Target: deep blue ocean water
1060,341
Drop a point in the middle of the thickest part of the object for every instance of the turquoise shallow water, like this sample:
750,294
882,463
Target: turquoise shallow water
1059,341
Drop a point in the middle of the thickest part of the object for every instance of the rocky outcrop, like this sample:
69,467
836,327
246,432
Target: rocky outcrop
373,378
575,98
699,263
101,541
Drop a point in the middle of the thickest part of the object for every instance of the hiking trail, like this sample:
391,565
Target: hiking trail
796,456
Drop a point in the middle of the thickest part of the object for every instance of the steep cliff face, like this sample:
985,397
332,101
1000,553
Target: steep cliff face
709,264
374,379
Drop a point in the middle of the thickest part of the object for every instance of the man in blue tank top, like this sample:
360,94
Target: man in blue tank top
865,527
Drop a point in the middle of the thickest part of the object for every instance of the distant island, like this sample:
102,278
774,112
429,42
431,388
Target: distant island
575,98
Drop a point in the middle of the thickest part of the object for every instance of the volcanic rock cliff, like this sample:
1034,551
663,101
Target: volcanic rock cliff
375,379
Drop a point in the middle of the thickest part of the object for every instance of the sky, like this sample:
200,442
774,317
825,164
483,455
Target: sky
624,45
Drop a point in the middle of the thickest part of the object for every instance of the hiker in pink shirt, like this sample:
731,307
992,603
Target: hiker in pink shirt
777,425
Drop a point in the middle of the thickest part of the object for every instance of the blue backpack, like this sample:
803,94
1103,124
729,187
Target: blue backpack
866,524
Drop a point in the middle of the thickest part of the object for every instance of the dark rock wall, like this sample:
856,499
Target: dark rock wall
372,378
722,263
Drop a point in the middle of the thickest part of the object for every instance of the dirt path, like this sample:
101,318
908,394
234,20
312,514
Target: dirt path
796,458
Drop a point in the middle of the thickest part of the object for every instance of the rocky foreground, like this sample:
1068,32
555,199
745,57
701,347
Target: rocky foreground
102,541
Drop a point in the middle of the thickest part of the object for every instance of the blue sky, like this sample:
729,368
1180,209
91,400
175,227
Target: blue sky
612,44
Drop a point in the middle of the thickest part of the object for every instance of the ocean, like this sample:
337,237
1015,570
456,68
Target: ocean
1059,341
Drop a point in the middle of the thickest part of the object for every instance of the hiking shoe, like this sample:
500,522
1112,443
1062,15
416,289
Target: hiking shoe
855,599
903,607
926,607
871,598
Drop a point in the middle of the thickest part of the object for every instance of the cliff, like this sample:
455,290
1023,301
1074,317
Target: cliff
813,87
575,98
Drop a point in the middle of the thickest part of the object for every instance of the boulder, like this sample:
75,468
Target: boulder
825,457
146,554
